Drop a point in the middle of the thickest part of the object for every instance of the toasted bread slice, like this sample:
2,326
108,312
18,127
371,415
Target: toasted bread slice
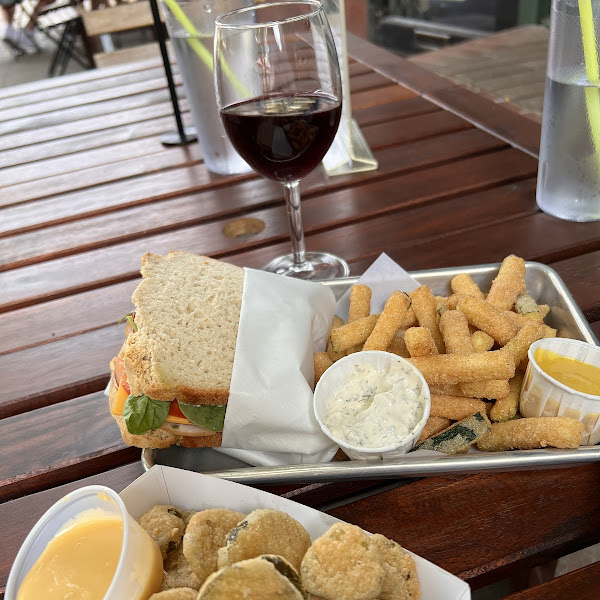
187,314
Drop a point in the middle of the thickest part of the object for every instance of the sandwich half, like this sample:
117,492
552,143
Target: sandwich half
171,379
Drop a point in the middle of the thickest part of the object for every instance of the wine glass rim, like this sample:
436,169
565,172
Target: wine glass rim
316,7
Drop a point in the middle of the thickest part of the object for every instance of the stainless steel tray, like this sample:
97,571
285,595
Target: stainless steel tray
543,284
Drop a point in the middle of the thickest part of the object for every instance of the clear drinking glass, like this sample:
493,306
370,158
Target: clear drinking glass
279,93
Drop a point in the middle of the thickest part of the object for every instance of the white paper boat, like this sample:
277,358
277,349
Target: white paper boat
194,491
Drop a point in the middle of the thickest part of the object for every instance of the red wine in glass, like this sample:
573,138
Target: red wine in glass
279,93
283,137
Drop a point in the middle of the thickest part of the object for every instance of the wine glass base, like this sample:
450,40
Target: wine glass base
318,265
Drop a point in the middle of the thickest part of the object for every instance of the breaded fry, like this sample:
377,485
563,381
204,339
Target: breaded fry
341,565
165,525
506,408
322,362
265,531
519,345
433,425
410,319
508,284
398,345
389,322
205,534
335,323
543,309
360,302
481,389
455,331
425,307
532,432
484,316
464,284
491,390
458,438
352,334
482,342
360,306
180,593
456,368
454,407
401,581
522,320
452,302
419,342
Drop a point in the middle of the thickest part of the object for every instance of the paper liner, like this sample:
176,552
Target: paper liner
194,491
336,376
543,396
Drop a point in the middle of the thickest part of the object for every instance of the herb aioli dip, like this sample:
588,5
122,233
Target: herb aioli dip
376,408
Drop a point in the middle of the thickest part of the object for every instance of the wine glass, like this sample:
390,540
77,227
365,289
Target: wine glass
279,94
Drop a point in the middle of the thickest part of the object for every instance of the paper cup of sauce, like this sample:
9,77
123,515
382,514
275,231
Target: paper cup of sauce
139,568
385,428
544,396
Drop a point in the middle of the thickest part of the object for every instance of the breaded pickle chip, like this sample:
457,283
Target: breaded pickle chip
264,577
400,581
265,531
165,525
182,593
341,565
178,572
204,535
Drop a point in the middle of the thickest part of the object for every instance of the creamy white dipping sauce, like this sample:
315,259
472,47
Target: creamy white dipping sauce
376,408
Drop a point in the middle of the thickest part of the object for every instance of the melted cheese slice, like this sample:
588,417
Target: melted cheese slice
77,564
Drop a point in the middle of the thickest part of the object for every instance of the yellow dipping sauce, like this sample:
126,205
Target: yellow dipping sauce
573,373
79,563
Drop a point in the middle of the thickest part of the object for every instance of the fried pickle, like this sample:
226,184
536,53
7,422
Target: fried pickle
266,577
205,534
401,582
341,565
181,593
165,525
265,531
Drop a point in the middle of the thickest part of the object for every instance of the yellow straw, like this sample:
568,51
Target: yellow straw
204,55
592,94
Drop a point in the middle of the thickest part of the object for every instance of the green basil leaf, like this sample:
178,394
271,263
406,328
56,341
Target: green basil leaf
209,417
142,414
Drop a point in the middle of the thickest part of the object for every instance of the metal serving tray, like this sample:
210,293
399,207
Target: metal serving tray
543,284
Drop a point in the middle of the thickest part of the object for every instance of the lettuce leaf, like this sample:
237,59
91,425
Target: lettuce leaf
209,417
143,414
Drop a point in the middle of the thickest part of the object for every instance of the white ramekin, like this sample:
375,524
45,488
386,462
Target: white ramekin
335,377
544,396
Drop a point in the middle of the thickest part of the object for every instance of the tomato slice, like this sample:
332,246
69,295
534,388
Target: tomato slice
175,411
124,383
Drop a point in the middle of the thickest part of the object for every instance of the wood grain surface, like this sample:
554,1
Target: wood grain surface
86,188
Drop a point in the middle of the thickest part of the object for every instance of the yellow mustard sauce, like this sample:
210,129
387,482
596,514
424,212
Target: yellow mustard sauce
77,564
573,373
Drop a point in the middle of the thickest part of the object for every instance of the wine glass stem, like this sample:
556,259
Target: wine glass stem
291,193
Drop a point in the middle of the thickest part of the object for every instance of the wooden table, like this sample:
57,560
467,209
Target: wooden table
87,188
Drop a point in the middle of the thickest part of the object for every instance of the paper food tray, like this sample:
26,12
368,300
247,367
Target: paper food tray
543,283
193,491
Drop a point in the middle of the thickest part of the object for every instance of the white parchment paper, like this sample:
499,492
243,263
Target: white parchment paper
269,418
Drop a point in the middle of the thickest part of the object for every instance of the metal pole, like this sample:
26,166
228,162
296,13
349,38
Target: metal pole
183,135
